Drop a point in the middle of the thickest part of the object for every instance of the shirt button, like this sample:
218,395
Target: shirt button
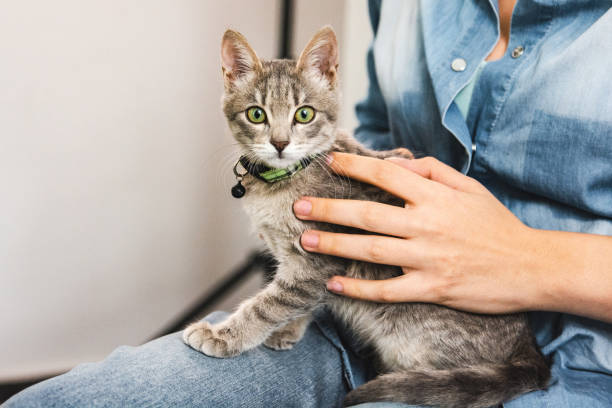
473,148
458,65
518,51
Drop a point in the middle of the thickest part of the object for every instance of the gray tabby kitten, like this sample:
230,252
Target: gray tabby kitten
281,112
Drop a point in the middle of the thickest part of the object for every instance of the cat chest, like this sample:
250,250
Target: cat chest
273,217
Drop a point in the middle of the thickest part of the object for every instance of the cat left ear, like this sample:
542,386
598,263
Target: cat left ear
238,60
320,56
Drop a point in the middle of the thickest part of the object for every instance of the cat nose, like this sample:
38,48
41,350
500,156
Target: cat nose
279,144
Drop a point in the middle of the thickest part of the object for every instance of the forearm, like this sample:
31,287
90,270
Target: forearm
573,273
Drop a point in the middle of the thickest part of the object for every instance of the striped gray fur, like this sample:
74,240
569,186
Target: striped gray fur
427,354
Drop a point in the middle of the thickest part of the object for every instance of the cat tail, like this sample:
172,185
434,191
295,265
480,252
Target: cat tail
483,386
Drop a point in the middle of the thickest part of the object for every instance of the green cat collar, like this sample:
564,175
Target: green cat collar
266,173
272,175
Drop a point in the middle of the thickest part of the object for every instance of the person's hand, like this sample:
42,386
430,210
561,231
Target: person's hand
456,243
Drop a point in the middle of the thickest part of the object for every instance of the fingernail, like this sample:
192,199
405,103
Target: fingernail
310,239
329,158
302,207
334,286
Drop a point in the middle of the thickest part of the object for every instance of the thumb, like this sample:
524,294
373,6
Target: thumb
384,291
435,170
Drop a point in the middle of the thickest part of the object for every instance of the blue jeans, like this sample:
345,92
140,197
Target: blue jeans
317,372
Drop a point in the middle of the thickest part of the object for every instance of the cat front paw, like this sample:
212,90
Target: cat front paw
210,340
281,340
286,337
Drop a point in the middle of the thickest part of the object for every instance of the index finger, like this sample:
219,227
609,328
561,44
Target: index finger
394,179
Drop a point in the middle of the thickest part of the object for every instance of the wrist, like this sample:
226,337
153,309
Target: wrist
535,263
561,271
567,268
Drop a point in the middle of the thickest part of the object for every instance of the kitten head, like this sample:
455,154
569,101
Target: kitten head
281,111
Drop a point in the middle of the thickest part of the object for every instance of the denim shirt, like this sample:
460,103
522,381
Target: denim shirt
538,133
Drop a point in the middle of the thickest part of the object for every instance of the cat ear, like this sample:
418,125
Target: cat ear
238,60
320,57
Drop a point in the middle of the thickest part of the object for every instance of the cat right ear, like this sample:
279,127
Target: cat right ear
238,60
320,57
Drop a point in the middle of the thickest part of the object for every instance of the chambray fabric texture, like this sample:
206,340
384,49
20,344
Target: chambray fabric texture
538,134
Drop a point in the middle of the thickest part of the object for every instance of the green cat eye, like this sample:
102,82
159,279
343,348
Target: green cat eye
256,114
304,114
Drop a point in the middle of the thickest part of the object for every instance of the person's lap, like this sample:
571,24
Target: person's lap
317,372
167,373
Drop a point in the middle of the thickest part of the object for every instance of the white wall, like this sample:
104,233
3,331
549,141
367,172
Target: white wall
356,36
350,21
115,167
